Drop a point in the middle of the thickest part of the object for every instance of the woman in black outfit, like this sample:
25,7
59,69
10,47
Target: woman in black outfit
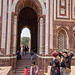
55,65
65,62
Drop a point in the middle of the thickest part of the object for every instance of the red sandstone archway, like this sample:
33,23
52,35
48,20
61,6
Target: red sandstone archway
28,17
34,4
36,7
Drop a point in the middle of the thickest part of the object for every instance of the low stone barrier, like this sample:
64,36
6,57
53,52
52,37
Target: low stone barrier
6,70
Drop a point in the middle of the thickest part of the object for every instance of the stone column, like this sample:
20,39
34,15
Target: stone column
67,41
4,18
51,24
46,27
9,29
41,36
38,46
0,6
15,35
70,38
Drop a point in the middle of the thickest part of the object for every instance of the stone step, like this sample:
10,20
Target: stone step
23,67
24,63
21,64
19,74
21,71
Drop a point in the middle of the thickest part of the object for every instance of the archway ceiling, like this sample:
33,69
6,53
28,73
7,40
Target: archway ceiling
28,18
29,3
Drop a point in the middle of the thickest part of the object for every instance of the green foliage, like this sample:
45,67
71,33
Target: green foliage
25,41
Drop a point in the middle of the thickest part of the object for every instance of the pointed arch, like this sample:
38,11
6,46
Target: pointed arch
26,27
63,39
39,4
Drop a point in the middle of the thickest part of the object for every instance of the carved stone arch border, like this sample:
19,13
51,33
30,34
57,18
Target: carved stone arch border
67,36
73,39
62,28
25,27
32,4
39,4
17,6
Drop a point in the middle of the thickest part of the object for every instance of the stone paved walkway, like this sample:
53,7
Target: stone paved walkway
25,61
73,70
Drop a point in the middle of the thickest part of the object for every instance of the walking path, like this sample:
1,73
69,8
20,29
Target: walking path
25,61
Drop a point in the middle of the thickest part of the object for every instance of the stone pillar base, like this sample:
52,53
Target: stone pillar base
43,64
8,61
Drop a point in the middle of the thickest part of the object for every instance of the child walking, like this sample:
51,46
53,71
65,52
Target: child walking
25,71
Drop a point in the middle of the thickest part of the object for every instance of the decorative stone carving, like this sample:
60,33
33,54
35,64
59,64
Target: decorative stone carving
57,27
67,27
61,40
62,2
62,11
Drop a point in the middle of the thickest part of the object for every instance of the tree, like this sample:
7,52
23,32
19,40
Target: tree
25,41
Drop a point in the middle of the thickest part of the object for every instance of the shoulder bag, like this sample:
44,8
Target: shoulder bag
67,69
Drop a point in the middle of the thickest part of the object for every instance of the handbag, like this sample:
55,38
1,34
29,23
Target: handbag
67,69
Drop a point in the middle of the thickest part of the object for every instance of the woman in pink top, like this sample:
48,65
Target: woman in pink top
34,69
25,71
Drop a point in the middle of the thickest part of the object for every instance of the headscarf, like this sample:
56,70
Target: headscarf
55,54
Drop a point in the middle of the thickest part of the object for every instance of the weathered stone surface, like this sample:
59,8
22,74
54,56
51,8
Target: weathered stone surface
58,28
6,70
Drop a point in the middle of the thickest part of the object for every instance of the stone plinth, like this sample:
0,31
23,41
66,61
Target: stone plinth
5,70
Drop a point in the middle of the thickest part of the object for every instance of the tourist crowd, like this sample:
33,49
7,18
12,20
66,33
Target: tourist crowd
64,63
60,59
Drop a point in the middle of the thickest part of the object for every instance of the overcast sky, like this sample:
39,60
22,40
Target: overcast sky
25,32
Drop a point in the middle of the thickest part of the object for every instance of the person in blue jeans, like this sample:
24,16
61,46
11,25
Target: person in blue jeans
65,62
